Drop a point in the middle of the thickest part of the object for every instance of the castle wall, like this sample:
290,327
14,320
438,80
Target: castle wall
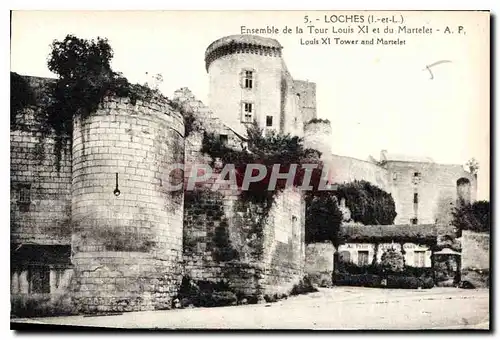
223,238
475,250
318,136
227,93
436,189
475,264
347,169
284,243
291,117
319,263
307,99
127,248
40,185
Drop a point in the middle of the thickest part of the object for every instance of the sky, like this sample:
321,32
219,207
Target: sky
376,97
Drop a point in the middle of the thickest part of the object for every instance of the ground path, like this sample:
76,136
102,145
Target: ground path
330,308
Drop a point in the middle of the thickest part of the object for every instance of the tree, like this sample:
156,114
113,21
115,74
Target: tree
473,166
474,217
323,217
368,203
85,77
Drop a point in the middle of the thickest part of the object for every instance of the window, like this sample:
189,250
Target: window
248,80
362,257
416,174
247,112
223,139
415,198
419,258
39,279
269,121
414,221
25,194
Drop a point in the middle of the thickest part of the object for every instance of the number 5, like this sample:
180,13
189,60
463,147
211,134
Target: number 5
306,19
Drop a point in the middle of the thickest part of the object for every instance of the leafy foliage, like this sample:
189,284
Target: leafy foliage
191,123
392,261
323,217
85,79
268,150
204,293
368,204
474,217
21,96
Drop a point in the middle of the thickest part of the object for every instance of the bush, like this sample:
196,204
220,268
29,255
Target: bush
379,281
224,298
475,216
357,280
475,278
402,282
23,306
303,287
204,293
323,217
392,261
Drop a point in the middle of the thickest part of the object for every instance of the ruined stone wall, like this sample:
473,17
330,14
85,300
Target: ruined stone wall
217,239
284,243
257,250
475,261
40,185
127,247
318,136
291,120
347,169
319,263
475,250
307,99
436,189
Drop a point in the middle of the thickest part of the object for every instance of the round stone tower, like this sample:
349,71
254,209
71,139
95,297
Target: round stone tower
127,227
246,81
317,135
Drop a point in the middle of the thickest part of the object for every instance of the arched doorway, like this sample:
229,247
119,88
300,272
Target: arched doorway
463,191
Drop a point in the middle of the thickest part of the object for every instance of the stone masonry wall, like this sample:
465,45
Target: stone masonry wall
475,250
127,248
348,169
284,247
319,262
223,240
217,239
475,266
317,136
40,191
307,99
436,189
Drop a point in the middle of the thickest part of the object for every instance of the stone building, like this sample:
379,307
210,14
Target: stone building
92,221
